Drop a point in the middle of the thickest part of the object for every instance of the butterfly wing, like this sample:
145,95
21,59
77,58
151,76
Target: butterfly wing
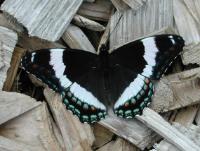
148,58
65,71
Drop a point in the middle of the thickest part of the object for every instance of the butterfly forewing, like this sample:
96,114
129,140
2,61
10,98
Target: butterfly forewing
148,58
68,72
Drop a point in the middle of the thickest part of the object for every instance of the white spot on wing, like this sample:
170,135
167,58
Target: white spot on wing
150,54
86,96
56,61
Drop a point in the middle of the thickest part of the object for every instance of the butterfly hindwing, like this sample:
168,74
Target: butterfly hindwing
64,71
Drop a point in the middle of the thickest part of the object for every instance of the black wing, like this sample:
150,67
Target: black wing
145,59
70,72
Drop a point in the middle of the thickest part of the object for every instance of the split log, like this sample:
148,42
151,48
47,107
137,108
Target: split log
76,39
163,128
192,132
45,19
8,40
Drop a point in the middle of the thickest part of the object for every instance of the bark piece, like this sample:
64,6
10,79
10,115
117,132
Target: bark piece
45,19
8,40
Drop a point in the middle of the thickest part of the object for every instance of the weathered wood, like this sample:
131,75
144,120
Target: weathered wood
185,22
192,132
34,43
130,129
118,145
32,128
99,10
12,71
176,91
14,104
155,15
191,54
76,136
102,136
197,118
8,40
135,4
163,128
120,5
87,23
186,116
13,145
76,39
10,23
45,19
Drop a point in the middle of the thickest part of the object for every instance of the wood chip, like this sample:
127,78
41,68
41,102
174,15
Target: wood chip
135,4
176,91
76,39
155,15
191,54
8,40
32,128
163,128
120,5
118,145
87,23
14,104
185,22
45,19
192,132
99,10
186,116
76,136
131,130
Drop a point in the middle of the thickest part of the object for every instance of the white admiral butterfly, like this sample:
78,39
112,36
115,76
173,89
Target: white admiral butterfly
89,82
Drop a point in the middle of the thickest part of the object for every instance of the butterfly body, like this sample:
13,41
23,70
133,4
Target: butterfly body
89,82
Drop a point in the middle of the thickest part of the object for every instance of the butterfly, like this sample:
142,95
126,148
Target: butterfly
89,82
